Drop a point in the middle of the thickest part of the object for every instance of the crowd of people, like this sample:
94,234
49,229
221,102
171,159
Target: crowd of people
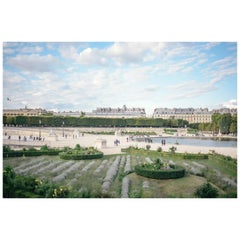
24,138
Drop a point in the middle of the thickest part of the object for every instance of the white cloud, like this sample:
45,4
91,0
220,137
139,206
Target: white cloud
118,53
211,45
12,78
191,89
34,62
33,49
230,104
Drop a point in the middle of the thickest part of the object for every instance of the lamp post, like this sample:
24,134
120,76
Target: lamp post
63,128
40,122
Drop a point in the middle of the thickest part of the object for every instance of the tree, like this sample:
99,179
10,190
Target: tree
225,122
215,121
233,126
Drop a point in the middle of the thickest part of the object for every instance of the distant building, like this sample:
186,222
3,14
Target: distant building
123,112
192,115
24,112
225,110
199,115
68,114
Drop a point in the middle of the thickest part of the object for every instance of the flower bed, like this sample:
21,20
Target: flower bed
79,153
158,170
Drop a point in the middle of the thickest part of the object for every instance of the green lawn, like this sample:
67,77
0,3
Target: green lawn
85,177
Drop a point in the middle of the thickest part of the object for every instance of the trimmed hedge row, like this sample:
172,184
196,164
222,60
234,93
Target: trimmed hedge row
195,156
21,153
67,156
176,172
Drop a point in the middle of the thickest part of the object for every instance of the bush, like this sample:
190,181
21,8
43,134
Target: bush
206,191
44,148
17,186
159,149
31,152
172,150
195,156
79,153
148,171
148,147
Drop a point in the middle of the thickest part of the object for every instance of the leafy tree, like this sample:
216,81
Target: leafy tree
224,123
233,127
206,191
215,121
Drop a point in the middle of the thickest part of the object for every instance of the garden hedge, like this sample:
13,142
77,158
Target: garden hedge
68,156
21,153
176,172
195,156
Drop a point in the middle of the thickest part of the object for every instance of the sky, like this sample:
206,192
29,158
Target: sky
81,76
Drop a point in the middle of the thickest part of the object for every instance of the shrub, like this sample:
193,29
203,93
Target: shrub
206,191
195,156
81,154
148,170
172,150
77,147
31,152
44,148
148,147
6,149
159,149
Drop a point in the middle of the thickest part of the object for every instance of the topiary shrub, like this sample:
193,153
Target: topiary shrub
79,153
157,170
148,147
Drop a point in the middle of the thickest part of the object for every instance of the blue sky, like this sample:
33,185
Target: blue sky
82,76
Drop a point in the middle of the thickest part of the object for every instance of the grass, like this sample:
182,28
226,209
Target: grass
89,183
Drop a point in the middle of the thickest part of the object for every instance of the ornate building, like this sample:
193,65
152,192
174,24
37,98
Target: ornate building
123,112
24,112
199,115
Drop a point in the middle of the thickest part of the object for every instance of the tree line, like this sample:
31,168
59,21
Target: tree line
223,123
57,121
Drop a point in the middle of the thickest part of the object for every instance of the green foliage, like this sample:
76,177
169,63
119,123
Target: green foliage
7,152
17,186
206,191
148,147
44,148
159,149
192,131
150,171
79,153
77,147
195,156
172,150
224,123
56,121
6,149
